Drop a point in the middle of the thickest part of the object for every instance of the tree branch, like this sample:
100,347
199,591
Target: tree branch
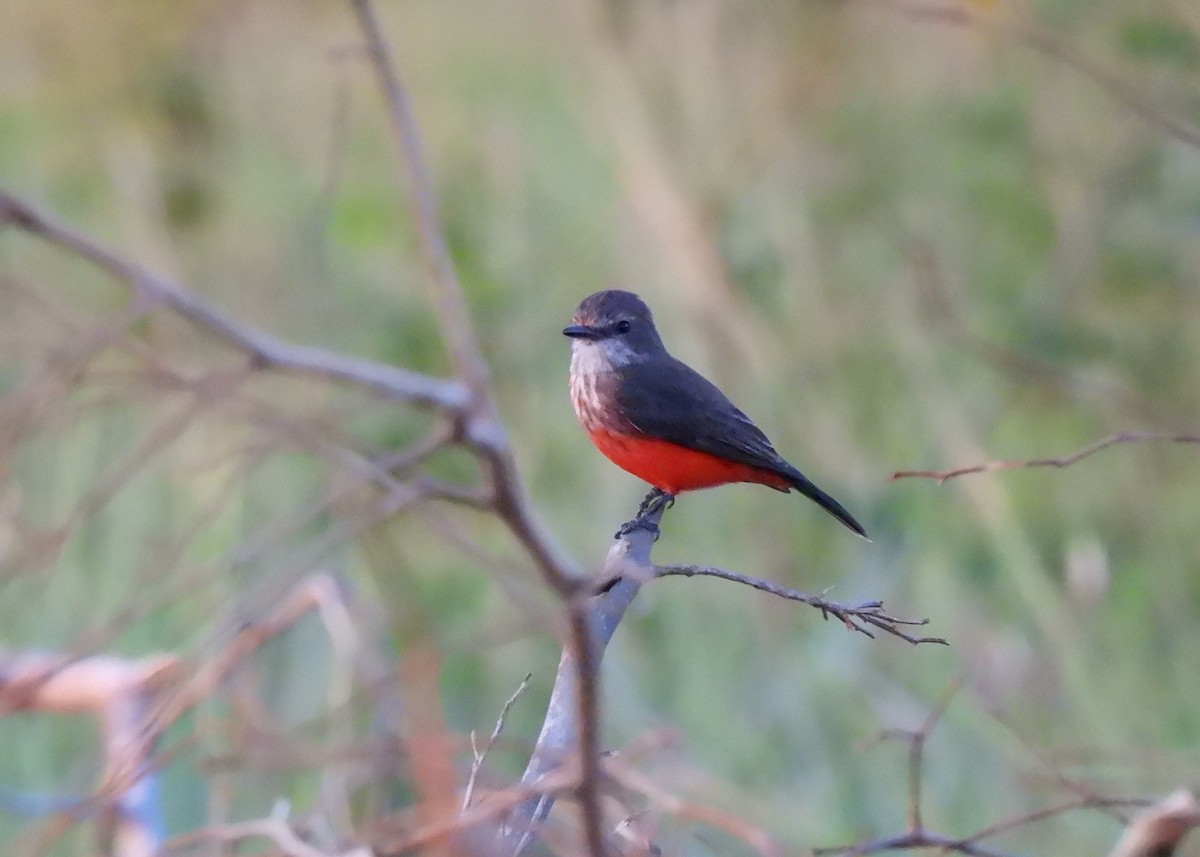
856,617
1062,461
451,305
483,431
263,349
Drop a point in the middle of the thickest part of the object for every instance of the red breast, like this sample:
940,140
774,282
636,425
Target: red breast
674,468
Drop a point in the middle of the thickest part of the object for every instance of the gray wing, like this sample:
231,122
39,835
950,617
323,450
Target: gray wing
669,400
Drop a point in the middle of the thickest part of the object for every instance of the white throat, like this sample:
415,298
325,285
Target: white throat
589,357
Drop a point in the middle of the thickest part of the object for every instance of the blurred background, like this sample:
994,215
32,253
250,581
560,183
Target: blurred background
899,235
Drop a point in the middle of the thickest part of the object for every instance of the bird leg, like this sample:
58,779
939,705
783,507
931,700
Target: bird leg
656,500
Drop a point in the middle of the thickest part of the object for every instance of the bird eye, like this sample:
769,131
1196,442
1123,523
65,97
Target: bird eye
623,326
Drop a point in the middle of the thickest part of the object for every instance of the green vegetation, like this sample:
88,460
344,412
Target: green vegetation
940,245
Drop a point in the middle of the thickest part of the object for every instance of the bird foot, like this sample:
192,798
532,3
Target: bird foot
638,523
656,501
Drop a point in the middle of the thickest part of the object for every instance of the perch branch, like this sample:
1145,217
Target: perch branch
857,617
628,564
1062,461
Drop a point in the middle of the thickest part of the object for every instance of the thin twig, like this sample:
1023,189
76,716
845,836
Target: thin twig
479,756
1082,802
912,840
918,837
449,300
855,617
1062,461
916,755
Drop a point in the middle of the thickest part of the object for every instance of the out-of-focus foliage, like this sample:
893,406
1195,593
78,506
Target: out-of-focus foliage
896,240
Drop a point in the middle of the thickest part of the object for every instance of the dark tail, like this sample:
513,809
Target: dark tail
830,505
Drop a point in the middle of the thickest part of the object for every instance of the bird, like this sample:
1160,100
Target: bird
657,418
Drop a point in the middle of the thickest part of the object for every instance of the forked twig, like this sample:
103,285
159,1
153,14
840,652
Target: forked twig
1062,461
479,756
918,837
856,617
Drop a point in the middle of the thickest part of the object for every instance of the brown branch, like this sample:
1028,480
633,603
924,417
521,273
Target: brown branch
916,755
1062,461
309,595
857,617
1090,801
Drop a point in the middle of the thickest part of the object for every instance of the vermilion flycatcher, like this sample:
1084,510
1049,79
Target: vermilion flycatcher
661,420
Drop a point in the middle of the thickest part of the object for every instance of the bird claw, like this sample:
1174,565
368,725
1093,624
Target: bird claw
638,523
655,500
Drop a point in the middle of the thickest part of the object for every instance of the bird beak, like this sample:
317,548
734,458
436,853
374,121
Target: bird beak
580,331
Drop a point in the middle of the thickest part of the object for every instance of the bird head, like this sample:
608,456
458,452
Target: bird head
616,326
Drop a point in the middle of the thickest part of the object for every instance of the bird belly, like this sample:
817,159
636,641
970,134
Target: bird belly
674,468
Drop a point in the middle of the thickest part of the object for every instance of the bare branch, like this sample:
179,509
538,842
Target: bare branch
489,808
857,617
451,306
1091,801
482,427
1062,461
262,348
479,756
